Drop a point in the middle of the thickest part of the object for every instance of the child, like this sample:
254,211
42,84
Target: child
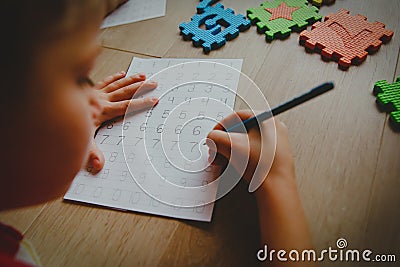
49,114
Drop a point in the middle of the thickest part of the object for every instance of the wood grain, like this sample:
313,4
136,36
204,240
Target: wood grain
347,158
151,37
384,214
22,218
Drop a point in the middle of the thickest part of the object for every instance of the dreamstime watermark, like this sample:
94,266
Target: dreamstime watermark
339,253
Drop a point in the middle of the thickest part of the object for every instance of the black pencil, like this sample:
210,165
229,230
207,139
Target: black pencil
249,123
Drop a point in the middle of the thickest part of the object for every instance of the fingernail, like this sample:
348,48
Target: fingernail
96,164
122,72
155,100
142,74
208,142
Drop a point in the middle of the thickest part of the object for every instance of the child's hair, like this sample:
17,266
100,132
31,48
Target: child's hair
28,28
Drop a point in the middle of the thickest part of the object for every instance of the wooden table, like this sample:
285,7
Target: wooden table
347,157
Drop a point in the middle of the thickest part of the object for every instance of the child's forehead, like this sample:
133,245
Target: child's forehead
74,49
69,37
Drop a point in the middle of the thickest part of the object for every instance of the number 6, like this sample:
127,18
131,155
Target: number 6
196,130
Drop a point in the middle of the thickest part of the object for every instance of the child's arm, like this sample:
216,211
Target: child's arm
282,220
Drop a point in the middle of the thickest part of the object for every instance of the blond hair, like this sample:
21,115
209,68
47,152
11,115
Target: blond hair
31,26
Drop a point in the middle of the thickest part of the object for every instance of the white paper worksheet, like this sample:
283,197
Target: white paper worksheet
156,159
135,10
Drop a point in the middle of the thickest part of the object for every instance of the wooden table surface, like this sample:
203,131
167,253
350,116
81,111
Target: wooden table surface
347,157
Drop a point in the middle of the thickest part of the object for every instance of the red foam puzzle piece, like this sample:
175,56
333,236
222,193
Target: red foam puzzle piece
345,38
282,11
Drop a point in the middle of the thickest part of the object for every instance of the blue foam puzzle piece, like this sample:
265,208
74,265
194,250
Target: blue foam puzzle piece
213,36
203,4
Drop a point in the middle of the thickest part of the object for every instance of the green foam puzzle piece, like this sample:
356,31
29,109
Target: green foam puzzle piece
388,100
300,18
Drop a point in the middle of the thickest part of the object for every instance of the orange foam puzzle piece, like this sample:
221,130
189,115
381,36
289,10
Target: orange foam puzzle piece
345,38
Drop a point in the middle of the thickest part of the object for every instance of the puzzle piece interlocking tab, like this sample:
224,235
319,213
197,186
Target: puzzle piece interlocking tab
203,4
277,19
345,38
322,2
388,100
220,24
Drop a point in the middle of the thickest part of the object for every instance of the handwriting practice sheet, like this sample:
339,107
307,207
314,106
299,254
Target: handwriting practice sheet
156,159
135,10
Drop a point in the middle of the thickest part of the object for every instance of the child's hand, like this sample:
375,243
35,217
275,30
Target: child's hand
111,98
283,224
260,154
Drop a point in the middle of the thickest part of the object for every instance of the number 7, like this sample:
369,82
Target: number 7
106,136
195,144
156,141
174,143
120,140
138,140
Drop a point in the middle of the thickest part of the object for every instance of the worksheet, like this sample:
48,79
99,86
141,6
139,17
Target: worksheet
156,159
135,10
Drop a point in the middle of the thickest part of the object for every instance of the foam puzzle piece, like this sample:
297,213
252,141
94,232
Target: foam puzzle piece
345,38
277,19
203,4
388,100
321,2
214,36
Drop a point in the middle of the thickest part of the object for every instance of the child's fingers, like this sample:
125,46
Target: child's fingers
119,108
220,160
233,119
220,141
122,82
96,158
110,79
129,91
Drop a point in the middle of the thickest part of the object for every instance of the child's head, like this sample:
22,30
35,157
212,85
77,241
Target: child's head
48,48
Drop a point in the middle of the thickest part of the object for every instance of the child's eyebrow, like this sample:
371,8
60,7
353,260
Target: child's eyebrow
86,80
